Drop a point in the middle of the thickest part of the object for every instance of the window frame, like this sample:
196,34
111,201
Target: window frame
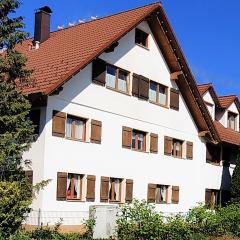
234,115
71,197
174,142
141,32
136,132
167,193
73,127
158,94
112,182
215,197
118,69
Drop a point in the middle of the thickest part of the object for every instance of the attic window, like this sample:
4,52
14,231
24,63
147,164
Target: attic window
232,120
141,38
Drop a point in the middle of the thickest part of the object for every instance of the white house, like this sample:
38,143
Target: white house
119,116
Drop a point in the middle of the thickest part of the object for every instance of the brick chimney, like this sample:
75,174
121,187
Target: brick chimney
42,24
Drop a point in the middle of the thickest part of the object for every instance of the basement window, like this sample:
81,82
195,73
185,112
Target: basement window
141,38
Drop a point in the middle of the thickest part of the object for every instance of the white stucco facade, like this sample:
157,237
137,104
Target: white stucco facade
80,97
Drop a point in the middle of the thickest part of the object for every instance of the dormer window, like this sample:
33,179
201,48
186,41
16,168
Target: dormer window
141,38
232,120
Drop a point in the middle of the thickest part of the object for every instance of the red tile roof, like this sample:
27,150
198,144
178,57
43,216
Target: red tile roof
69,50
227,135
226,101
204,87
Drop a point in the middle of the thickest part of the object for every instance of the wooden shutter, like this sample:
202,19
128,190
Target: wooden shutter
167,146
153,143
135,85
208,197
143,88
99,72
104,191
129,190
29,175
151,193
189,150
58,124
126,137
96,131
175,194
61,185
91,188
174,99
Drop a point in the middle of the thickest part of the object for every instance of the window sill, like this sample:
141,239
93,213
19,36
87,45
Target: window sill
158,104
140,45
77,140
119,91
141,151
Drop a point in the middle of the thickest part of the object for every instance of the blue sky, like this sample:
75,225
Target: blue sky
208,31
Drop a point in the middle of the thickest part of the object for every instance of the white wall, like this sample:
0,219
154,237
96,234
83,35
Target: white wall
208,99
82,98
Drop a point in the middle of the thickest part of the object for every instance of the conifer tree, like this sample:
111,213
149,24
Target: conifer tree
235,184
16,131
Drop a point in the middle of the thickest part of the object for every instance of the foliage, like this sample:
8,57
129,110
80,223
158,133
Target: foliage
140,221
16,131
235,184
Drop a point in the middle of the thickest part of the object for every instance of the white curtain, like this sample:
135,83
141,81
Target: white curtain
162,95
69,128
77,185
111,77
116,190
122,82
79,129
153,92
163,190
140,141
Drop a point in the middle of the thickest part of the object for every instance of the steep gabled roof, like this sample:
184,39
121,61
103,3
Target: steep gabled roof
68,51
227,135
203,88
226,101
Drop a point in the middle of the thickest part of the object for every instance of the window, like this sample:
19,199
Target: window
161,193
141,38
76,128
74,186
115,189
212,197
34,116
117,79
177,148
138,140
158,93
232,120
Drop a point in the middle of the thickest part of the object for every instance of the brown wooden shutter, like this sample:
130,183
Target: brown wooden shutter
208,197
129,190
96,131
189,150
174,99
126,137
167,146
175,194
58,124
91,188
135,85
153,143
151,193
99,72
61,186
143,88
29,175
104,191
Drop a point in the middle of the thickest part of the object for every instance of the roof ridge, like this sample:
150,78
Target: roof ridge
114,14
232,95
